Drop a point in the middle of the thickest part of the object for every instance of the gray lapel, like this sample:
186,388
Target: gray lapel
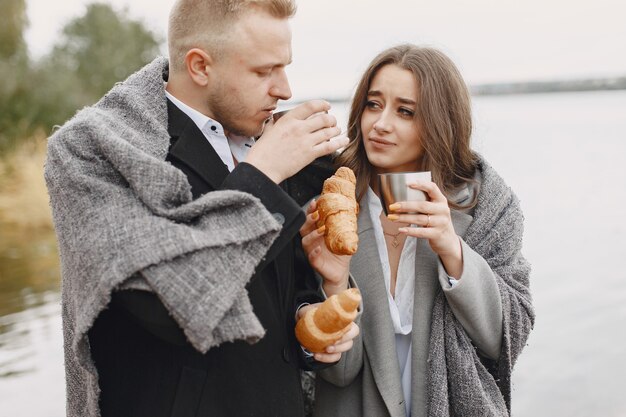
426,287
379,340
460,221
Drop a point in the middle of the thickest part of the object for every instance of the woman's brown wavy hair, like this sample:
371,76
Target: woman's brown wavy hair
443,114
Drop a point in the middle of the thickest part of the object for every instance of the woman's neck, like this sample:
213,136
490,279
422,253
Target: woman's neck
374,184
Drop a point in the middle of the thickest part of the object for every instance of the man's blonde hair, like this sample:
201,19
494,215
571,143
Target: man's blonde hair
206,24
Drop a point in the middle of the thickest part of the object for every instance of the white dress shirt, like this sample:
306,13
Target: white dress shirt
400,307
226,147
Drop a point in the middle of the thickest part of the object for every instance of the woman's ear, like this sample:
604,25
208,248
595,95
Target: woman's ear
198,64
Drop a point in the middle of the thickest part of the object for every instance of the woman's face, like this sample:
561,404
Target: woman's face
390,133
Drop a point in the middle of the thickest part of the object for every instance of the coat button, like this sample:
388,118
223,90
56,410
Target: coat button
286,354
279,218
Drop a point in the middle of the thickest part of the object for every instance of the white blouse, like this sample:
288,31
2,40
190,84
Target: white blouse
400,307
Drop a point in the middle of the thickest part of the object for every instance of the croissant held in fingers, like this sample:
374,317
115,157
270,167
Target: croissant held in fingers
337,208
323,326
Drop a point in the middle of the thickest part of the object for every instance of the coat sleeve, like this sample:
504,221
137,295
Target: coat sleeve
344,372
496,234
475,301
282,207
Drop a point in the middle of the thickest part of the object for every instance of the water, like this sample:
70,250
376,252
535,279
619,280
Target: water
563,154
31,346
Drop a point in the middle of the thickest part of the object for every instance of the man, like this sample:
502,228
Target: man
180,290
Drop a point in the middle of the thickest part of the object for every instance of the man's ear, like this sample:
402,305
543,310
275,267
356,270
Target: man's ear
198,64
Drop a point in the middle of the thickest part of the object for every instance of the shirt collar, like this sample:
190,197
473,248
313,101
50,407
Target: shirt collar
207,125
226,148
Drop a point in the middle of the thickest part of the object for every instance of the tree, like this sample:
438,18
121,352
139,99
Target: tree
14,89
103,47
95,51
13,22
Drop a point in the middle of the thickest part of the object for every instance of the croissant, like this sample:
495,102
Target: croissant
337,208
322,326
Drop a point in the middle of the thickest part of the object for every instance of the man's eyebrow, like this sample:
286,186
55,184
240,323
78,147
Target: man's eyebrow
274,65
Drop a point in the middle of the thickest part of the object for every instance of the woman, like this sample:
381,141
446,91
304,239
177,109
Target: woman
447,308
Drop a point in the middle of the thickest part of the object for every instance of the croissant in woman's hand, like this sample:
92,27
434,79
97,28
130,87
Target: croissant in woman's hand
323,326
337,208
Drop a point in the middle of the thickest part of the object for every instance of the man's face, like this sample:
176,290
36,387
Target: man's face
249,78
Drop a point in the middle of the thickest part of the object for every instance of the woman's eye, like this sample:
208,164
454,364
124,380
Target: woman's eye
406,112
372,105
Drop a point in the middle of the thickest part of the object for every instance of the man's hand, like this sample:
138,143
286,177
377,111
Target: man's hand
333,352
303,134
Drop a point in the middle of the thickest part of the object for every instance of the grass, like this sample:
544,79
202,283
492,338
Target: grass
23,194
29,263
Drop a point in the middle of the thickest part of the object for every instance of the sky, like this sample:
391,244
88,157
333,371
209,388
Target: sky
489,40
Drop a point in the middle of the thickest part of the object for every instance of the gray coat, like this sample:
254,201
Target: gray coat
367,381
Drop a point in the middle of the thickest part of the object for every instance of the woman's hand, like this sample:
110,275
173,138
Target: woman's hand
335,269
333,352
436,225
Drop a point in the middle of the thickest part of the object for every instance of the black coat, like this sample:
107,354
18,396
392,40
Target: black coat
146,366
